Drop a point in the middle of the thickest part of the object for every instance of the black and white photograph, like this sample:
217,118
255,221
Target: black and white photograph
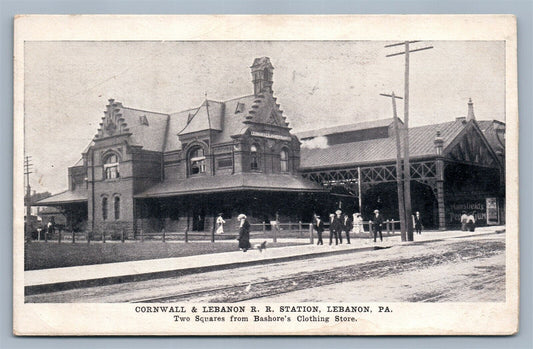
266,185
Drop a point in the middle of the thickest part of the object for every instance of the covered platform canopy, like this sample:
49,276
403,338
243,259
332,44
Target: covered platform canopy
64,198
231,183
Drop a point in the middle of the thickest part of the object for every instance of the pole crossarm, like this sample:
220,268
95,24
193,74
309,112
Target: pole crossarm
390,96
401,43
415,50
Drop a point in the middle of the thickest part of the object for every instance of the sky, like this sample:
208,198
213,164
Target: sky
317,83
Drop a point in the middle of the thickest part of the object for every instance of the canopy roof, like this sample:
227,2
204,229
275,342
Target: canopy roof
236,182
66,197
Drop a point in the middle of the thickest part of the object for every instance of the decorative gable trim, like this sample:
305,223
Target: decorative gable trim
471,146
113,122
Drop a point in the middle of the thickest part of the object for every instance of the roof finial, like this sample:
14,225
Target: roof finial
470,115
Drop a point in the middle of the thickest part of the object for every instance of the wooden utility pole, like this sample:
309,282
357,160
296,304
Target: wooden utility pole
359,190
406,163
27,171
399,184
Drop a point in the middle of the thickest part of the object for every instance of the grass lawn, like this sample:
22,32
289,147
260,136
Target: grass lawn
53,255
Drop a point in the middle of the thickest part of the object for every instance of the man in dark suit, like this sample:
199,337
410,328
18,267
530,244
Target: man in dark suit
336,228
378,225
417,222
347,226
319,227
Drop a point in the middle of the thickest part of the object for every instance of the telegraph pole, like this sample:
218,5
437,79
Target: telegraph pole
406,164
399,184
27,171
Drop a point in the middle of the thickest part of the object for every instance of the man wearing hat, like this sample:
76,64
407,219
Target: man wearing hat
319,227
347,226
378,225
335,229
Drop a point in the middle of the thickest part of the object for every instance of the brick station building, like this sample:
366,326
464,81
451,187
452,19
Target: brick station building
150,171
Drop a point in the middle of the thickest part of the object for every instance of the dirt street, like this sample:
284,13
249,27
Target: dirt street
452,270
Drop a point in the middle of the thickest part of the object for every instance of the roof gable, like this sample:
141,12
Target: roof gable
146,129
207,117
471,146
265,110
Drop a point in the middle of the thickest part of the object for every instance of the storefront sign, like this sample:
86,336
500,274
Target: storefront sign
454,211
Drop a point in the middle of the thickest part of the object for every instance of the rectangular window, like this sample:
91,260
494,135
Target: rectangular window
227,162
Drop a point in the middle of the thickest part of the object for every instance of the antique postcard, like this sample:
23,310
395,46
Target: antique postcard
266,175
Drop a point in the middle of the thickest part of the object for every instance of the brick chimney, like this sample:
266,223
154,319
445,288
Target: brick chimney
470,115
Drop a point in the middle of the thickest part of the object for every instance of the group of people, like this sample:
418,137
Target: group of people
340,223
468,221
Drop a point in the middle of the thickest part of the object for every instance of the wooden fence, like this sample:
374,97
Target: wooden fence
292,230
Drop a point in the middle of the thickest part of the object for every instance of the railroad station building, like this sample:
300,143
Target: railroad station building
150,171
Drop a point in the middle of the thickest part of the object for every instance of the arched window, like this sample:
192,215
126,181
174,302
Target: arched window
104,209
284,159
196,161
254,159
111,168
117,208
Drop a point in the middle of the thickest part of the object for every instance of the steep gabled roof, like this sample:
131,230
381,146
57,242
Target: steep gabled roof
235,112
207,117
147,128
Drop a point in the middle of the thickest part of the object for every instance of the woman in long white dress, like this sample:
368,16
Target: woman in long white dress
358,223
220,224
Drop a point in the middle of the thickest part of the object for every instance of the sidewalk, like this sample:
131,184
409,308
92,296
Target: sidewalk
49,280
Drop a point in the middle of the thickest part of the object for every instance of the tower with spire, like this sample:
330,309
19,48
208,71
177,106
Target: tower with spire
262,72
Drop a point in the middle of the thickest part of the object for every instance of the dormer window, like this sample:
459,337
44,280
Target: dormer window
239,108
111,167
143,120
197,161
254,159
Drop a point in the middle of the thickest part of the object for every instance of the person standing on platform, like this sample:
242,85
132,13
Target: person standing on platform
244,233
378,225
471,221
319,227
220,224
358,223
50,229
335,228
464,220
417,222
347,226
